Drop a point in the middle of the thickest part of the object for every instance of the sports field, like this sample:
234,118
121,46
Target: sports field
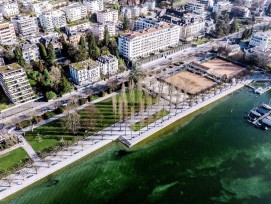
222,67
190,82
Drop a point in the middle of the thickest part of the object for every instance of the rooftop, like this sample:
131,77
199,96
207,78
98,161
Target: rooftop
9,68
149,30
83,65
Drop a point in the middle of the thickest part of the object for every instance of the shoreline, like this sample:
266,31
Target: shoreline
135,141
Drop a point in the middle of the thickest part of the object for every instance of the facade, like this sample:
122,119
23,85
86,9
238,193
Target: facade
108,65
25,25
194,5
30,52
150,4
81,27
261,40
240,11
144,42
7,34
9,9
98,30
134,11
144,23
94,6
107,16
14,82
53,19
75,12
208,3
222,6
85,72
40,7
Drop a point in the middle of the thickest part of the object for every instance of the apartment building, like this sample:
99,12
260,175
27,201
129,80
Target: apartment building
134,11
144,23
194,5
207,3
94,6
98,30
109,15
75,12
7,34
40,7
222,6
261,40
30,52
25,25
15,84
81,27
108,65
53,19
144,42
85,72
9,9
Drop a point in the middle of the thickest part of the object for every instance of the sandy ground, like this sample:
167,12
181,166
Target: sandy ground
189,82
221,67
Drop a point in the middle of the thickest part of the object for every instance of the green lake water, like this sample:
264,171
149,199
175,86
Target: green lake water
217,158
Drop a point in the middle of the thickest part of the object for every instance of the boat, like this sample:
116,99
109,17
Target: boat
266,106
261,111
266,122
255,113
268,117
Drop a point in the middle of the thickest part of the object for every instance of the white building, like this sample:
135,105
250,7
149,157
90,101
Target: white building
98,30
53,19
261,40
222,6
7,34
109,15
208,3
194,5
25,25
94,6
9,9
15,84
30,52
75,12
144,23
81,27
144,42
85,72
134,11
150,4
108,65
40,7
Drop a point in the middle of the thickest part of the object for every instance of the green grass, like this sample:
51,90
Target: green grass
54,130
200,41
9,160
152,118
39,146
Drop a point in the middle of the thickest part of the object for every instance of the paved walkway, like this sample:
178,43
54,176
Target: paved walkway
10,149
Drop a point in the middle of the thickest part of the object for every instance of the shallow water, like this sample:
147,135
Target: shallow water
217,158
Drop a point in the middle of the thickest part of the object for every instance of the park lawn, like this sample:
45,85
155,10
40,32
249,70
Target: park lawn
39,146
7,161
55,130
152,118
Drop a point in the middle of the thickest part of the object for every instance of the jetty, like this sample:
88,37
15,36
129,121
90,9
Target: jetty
255,122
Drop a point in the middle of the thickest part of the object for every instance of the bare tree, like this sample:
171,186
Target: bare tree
93,116
132,113
114,105
48,162
120,111
71,122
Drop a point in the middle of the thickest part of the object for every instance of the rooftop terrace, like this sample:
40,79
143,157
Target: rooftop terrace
83,65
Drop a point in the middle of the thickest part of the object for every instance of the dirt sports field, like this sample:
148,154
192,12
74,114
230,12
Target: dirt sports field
221,67
189,82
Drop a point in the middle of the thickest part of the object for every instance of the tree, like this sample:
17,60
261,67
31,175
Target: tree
136,72
268,10
105,52
55,74
50,95
93,116
65,86
265,28
43,52
106,37
40,65
114,105
126,23
51,55
91,44
19,56
71,122
120,111
96,53
234,26
46,79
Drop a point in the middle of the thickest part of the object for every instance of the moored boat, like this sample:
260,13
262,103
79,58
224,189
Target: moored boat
266,106
255,113
261,111
266,122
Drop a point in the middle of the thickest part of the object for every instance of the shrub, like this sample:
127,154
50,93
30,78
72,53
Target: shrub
50,95
48,115
89,98
82,101
59,110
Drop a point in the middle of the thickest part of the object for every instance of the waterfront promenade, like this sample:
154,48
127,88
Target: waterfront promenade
16,182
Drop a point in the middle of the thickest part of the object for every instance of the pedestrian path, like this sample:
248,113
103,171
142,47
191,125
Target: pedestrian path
10,149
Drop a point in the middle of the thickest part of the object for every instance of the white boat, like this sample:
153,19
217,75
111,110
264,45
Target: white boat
266,106
255,113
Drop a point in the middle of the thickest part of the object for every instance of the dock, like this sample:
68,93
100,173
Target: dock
262,117
262,90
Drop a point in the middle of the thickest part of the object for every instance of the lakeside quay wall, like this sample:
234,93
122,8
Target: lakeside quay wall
46,172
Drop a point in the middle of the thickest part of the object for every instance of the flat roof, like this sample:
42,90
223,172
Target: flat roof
149,30
83,64
9,68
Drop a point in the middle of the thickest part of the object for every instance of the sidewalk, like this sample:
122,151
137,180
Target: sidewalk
10,149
